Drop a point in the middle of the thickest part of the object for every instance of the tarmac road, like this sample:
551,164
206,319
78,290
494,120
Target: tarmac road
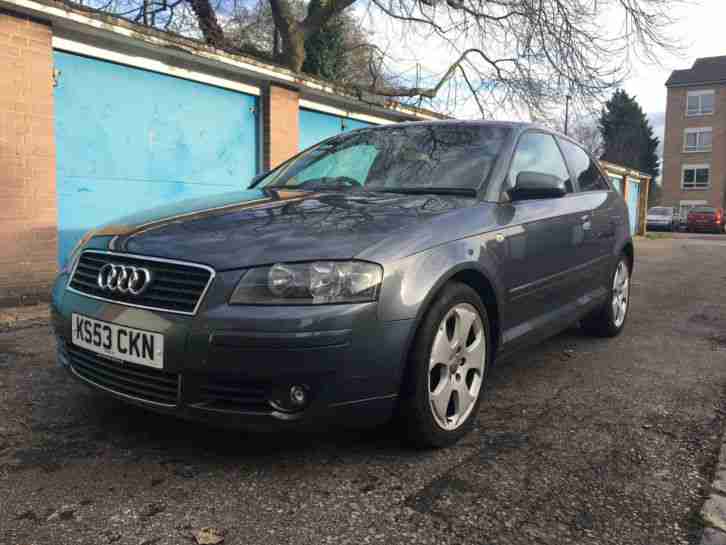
580,440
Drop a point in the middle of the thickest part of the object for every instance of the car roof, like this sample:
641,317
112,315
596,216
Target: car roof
476,122
517,126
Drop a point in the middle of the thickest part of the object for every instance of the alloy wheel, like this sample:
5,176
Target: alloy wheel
456,366
621,293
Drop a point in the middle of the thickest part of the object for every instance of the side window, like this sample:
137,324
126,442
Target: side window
586,171
538,152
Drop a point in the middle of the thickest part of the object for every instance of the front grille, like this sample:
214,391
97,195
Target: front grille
174,287
233,394
132,380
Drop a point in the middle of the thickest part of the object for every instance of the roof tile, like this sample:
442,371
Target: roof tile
704,70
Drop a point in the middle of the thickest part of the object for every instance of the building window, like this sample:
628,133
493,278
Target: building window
696,177
699,103
699,139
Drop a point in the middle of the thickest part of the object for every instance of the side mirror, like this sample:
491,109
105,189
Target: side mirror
536,185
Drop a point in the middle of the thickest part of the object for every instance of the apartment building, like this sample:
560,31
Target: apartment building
694,153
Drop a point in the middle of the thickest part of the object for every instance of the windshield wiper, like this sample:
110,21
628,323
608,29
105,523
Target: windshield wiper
462,191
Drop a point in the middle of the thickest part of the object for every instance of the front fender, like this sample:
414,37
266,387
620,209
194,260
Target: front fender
409,284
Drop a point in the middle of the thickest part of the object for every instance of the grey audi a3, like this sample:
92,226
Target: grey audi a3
375,275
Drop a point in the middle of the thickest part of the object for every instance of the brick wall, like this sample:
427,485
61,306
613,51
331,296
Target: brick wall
281,125
674,157
28,210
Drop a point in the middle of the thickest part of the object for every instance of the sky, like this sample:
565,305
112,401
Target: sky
698,26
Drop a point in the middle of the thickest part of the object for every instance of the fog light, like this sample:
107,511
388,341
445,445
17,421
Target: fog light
298,396
292,399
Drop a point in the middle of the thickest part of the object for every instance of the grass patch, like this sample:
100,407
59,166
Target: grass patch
658,236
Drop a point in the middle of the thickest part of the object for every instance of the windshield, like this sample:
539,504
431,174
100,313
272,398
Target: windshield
416,157
704,210
660,211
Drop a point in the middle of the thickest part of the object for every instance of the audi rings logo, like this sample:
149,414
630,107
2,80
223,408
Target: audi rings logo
123,278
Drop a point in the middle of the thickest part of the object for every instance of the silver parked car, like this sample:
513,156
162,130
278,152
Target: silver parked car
662,218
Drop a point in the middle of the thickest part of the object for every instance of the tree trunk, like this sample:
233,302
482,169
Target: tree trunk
208,24
293,49
292,35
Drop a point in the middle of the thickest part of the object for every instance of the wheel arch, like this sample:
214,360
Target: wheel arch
629,251
480,283
476,278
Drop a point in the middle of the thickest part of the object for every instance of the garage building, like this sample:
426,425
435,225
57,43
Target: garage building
100,118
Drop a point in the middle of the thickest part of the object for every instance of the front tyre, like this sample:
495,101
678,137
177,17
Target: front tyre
609,320
447,369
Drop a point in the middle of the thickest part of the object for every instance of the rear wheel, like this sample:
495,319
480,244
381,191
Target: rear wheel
609,320
447,369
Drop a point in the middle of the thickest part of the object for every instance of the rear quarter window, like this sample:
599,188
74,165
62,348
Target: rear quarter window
586,171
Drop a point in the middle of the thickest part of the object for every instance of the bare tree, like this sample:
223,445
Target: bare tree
527,53
586,132
251,25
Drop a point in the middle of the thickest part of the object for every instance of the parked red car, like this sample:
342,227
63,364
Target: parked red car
706,218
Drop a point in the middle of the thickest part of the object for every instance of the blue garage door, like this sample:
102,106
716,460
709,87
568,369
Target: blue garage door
317,126
633,200
617,182
129,139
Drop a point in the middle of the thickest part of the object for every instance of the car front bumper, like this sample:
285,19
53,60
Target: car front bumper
705,226
226,364
656,225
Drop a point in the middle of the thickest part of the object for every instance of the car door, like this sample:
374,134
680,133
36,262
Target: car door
602,205
541,244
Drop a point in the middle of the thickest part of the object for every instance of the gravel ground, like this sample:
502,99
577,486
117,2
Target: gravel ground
579,440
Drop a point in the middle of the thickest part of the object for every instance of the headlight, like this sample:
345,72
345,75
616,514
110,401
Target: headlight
314,283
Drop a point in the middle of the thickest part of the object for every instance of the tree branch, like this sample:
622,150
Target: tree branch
473,91
431,92
320,12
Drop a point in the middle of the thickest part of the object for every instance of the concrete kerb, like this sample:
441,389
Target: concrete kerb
714,510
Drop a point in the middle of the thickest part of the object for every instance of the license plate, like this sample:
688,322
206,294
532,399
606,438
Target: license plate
118,341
